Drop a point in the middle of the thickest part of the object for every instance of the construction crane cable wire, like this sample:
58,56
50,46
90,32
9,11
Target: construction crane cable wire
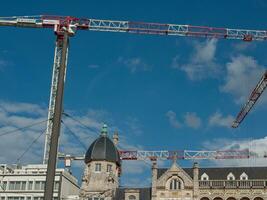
29,147
22,128
81,123
74,135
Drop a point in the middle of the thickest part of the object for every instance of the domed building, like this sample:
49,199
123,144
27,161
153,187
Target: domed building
103,166
102,170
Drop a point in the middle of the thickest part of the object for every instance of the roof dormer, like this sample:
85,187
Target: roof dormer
244,176
230,177
204,177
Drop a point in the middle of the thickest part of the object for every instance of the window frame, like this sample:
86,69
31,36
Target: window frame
98,167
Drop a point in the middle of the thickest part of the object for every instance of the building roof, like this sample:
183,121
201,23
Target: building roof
222,173
144,193
103,149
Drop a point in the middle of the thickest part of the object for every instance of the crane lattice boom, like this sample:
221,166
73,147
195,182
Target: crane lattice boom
253,98
73,24
179,155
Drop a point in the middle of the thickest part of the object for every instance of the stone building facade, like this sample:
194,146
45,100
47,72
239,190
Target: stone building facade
102,172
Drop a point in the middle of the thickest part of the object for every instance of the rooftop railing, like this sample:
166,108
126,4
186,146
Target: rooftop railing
228,184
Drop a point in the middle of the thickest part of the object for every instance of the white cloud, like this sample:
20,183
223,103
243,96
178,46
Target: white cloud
13,145
134,64
256,147
16,115
243,73
202,62
192,120
217,119
173,119
23,108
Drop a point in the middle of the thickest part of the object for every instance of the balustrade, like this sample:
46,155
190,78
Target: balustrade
242,184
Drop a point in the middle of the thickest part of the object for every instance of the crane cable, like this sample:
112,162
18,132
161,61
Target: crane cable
23,154
22,128
30,146
81,123
74,135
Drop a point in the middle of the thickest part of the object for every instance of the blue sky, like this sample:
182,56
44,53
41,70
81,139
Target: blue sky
159,92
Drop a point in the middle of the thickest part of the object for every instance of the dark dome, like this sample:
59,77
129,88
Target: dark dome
103,149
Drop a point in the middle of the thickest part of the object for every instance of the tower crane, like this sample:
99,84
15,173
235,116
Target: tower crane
253,98
170,155
65,26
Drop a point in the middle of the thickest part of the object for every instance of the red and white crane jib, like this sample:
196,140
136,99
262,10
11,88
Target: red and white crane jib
170,155
73,23
253,98
184,155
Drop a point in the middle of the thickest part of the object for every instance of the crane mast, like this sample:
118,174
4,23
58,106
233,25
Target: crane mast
65,26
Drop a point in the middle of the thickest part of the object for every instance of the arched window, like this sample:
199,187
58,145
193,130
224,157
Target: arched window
258,198
231,198
245,198
217,198
175,184
132,197
204,198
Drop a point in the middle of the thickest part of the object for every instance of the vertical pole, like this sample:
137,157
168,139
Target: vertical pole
62,45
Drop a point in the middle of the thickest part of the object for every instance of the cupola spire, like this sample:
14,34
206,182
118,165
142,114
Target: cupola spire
104,131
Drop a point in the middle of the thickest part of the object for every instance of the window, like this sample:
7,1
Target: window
42,185
37,186
17,185
15,198
98,167
11,185
56,186
23,185
38,198
132,197
109,168
175,184
4,185
30,184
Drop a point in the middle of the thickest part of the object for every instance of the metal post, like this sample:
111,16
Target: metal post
61,54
